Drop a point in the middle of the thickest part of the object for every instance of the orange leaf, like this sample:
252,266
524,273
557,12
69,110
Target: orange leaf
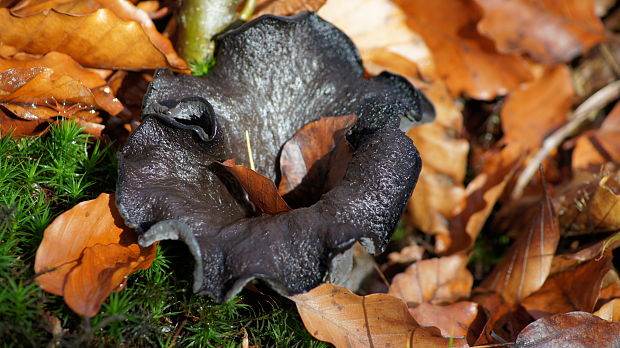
504,320
533,111
38,93
315,159
526,265
19,127
461,319
465,60
550,31
610,311
70,260
597,147
82,37
573,290
336,315
438,280
260,189
62,64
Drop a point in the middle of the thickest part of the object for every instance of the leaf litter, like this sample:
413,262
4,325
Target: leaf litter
550,287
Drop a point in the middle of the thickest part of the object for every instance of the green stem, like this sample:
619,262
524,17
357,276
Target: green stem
199,21
248,10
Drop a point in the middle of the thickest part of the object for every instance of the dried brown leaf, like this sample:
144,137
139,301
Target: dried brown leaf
549,31
63,64
461,319
526,265
86,253
504,321
610,311
575,329
18,127
286,7
81,37
315,159
336,315
597,147
260,189
536,109
437,280
577,289
465,60
38,93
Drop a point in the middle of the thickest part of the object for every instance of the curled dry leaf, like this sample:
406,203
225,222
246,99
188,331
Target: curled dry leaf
286,7
336,315
465,60
610,311
526,265
575,329
18,127
315,159
536,109
81,37
63,64
549,31
437,280
597,147
504,320
604,208
39,93
461,319
260,189
481,195
87,252
576,289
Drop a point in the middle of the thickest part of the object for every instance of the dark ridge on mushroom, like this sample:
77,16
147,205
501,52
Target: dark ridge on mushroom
273,76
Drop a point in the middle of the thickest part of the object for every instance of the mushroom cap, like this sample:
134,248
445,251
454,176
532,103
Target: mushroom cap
273,75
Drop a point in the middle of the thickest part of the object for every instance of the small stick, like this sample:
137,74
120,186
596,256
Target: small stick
247,141
594,103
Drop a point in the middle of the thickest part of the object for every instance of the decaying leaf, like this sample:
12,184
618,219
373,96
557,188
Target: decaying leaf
438,280
62,64
38,93
597,147
17,127
81,37
576,289
526,265
536,109
315,159
575,329
460,319
87,252
260,189
550,31
336,315
286,7
604,207
610,311
504,320
467,61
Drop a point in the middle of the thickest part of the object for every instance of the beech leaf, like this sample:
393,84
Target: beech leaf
81,37
526,265
460,319
87,252
549,31
597,147
338,316
575,329
286,7
438,280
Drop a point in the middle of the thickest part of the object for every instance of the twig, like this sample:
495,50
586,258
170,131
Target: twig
177,333
594,103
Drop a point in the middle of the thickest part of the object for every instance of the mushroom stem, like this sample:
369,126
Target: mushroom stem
199,21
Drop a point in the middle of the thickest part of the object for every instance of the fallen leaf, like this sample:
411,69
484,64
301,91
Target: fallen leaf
549,31
575,329
536,109
577,289
461,319
38,93
408,254
597,147
437,280
18,127
62,64
86,253
481,195
81,37
260,189
315,159
467,61
525,267
504,320
286,7
604,207
338,316
610,311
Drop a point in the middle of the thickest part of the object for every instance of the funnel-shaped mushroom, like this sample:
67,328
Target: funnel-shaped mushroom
272,76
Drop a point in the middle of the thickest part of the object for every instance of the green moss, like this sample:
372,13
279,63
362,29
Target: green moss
42,177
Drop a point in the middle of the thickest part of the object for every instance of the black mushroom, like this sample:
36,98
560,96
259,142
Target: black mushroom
273,75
